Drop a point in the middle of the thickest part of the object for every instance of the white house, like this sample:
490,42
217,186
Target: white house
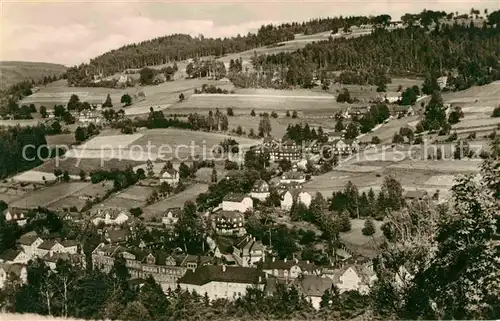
228,223
287,269
313,287
222,282
16,215
29,243
7,269
69,246
293,177
354,277
49,248
345,146
170,176
237,202
14,256
171,216
260,190
297,195
247,251
111,216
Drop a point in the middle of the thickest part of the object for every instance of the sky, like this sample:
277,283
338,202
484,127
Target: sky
73,31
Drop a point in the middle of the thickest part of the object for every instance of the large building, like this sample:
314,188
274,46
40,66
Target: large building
237,202
223,282
111,216
247,251
228,223
260,190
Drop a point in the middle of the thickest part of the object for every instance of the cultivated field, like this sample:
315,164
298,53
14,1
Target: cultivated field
74,165
177,200
48,195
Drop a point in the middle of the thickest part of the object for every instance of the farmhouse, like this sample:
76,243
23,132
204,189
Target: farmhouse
6,270
287,269
70,246
247,251
313,287
222,282
228,223
297,195
354,277
260,190
16,215
402,111
293,177
358,111
170,176
237,202
111,216
29,243
49,247
14,256
86,117
171,216
345,146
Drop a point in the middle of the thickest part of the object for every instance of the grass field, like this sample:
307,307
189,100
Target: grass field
12,72
177,200
48,195
61,139
74,165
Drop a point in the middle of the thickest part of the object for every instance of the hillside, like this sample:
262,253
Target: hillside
12,72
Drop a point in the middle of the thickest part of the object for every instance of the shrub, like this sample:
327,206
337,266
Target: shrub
369,228
375,140
496,112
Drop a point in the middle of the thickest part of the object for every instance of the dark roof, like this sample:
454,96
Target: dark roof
116,236
234,197
232,274
28,239
10,255
69,243
282,265
418,194
248,242
312,285
47,245
15,268
258,184
228,214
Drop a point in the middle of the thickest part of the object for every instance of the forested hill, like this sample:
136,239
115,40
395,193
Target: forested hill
469,55
12,72
179,47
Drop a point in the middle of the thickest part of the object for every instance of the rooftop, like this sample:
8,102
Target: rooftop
234,197
28,239
10,255
229,274
47,245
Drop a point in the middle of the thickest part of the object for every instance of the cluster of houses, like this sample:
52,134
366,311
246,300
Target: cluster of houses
29,247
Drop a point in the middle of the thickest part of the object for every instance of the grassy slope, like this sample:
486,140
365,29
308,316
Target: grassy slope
15,71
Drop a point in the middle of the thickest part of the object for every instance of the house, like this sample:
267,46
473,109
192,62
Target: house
223,282
442,82
287,269
237,202
159,78
111,216
247,251
87,117
14,256
171,216
283,187
293,177
354,277
332,136
164,268
49,247
294,195
192,262
6,270
228,223
73,258
345,146
313,287
402,111
116,236
287,150
358,111
124,79
170,176
416,195
70,246
16,215
29,243
260,190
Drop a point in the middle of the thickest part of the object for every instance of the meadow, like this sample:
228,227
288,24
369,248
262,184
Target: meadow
47,195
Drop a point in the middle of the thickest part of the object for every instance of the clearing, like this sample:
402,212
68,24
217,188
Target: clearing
48,195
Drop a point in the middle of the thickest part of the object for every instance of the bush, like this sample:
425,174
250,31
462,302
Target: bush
375,140
496,112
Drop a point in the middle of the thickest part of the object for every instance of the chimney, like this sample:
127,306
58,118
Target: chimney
223,268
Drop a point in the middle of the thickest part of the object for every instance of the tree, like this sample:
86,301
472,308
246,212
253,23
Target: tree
136,211
294,114
126,100
393,192
146,76
496,112
375,140
430,85
150,168
135,311
344,222
352,131
369,227
339,126
43,112
181,97
230,112
107,102
80,134
83,175
214,176
73,102
66,177
264,125
398,139
184,170
252,113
